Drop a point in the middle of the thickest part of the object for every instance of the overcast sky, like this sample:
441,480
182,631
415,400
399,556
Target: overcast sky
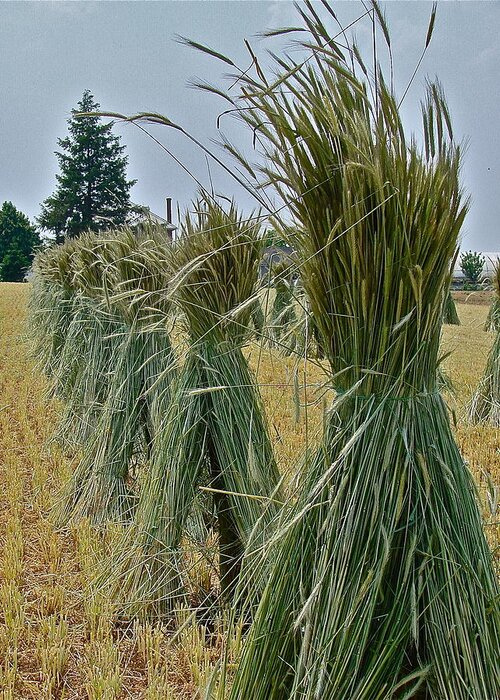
125,53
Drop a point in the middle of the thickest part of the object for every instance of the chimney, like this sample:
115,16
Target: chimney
168,204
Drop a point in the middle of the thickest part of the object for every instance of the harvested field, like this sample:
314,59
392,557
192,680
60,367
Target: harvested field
480,298
57,639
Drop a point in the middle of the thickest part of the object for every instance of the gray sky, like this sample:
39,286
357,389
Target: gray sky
126,55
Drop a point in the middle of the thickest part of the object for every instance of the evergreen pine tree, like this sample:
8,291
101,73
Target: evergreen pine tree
18,242
93,191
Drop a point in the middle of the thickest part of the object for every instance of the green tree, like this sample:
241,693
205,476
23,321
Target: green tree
18,242
472,265
273,238
93,192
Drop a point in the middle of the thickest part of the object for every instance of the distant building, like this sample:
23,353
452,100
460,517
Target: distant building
143,215
274,255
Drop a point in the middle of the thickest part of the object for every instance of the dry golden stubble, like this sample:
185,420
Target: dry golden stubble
25,423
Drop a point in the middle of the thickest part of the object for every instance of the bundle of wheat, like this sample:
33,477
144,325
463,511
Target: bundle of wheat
283,315
484,406
493,318
214,434
381,583
50,305
450,314
92,342
123,271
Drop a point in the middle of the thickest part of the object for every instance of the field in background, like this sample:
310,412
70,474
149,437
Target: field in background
56,642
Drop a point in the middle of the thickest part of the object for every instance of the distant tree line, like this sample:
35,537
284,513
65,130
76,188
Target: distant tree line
92,192
19,240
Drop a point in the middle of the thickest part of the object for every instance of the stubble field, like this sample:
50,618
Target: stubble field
57,637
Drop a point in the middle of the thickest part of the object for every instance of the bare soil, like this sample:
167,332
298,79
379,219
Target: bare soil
480,298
